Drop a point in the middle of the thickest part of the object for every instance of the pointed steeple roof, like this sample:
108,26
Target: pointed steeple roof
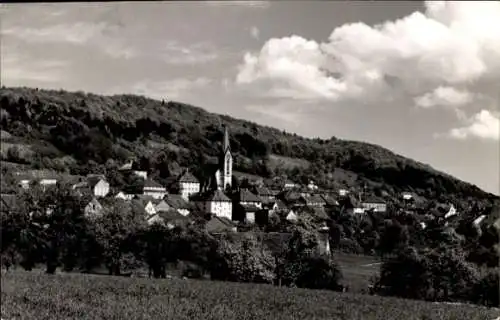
225,143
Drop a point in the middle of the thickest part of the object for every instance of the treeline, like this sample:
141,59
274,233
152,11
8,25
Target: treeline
50,228
96,129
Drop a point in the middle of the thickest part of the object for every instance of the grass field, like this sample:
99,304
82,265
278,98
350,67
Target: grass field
33,295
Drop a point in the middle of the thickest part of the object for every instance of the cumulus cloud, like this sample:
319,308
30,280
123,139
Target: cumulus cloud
452,44
444,96
484,125
170,89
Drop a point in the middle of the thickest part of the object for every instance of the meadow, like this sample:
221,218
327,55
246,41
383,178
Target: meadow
34,295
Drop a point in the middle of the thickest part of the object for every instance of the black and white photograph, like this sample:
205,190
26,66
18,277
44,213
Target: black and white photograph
250,160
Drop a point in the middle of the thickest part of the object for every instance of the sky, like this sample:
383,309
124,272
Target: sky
421,79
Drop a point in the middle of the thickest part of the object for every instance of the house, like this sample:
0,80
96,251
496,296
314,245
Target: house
289,184
246,212
170,218
375,204
93,209
42,177
290,198
265,194
124,196
313,201
94,184
98,185
408,196
316,213
133,168
145,204
329,200
216,203
178,203
188,185
312,186
217,225
343,192
153,189
245,197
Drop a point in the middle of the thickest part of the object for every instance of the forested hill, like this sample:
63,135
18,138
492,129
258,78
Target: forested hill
65,130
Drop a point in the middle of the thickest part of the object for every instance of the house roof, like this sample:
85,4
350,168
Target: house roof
246,196
8,201
250,207
219,224
176,201
187,177
374,200
291,195
263,191
319,213
149,183
314,199
144,199
92,180
219,196
329,200
172,215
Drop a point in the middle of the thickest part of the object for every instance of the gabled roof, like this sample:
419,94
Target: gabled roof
144,199
172,215
291,195
246,196
218,196
149,183
176,201
187,177
219,224
92,180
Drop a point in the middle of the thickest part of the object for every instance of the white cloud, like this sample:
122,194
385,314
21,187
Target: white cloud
175,53
444,96
484,125
255,32
454,44
101,35
169,89
18,70
77,33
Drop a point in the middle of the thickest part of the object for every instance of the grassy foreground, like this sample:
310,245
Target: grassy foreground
35,295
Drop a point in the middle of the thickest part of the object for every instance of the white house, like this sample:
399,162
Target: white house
451,212
378,205
132,167
124,196
154,189
247,198
145,203
188,185
219,204
98,185
93,209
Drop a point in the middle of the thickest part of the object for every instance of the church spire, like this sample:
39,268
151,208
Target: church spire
225,143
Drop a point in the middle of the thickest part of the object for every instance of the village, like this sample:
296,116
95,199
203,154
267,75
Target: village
224,207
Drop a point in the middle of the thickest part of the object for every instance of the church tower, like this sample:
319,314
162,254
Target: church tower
227,162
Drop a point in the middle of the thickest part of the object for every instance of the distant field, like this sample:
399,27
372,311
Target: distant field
76,296
357,270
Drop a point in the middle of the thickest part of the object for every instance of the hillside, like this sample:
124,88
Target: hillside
82,132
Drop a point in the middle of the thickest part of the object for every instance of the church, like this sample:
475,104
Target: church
212,198
219,176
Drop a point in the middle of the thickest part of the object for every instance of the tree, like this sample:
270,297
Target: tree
485,291
115,232
302,266
243,261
